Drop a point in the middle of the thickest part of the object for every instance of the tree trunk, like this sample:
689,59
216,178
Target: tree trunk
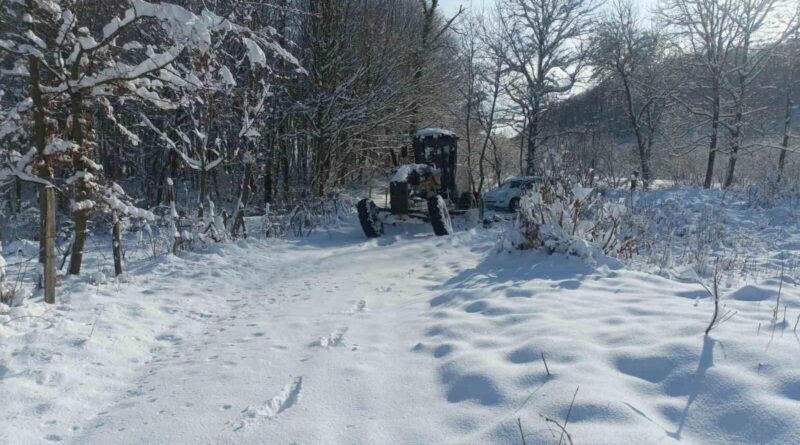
736,137
641,144
268,182
522,137
203,188
734,154
285,168
533,129
80,217
117,244
47,199
176,235
18,195
712,146
244,198
215,181
787,125
787,119
43,169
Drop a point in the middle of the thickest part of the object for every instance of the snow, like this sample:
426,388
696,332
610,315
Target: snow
77,206
134,45
122,71
181,24
35,39
58,145
94,166
254,53
402,172
522,178
67,22
80,176
227,77
580,193
691,228
433,132
407,338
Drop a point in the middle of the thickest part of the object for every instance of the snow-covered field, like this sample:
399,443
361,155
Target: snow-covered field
413,339
693,231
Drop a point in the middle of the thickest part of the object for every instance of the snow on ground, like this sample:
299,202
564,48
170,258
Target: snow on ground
690,231
408,339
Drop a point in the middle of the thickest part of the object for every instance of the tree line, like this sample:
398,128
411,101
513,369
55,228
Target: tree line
614,91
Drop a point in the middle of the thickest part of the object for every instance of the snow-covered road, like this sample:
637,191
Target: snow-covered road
260,342
292,352
410,339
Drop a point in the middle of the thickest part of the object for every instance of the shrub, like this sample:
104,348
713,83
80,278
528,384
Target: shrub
566,219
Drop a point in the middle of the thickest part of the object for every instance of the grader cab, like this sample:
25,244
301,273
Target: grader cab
424,190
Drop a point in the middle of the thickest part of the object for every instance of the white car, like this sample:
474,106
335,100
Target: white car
507,195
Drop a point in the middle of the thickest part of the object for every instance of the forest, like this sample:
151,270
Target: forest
135,111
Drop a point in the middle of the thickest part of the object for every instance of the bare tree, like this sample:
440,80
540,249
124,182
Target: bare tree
429,38
83,80
791,57
479,91
543,55
628,55
470,97
705,32
492,77
754,46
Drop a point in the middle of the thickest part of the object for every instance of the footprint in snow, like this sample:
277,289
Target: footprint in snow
335,338
359,307
289,395
169,338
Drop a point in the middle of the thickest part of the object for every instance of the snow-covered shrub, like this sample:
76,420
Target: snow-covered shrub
186,230
771,191
21,225
305,216
11,294
574,220
689,232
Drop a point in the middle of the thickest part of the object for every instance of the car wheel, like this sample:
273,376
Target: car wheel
514,204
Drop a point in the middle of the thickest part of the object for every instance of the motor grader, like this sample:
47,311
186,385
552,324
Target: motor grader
423,190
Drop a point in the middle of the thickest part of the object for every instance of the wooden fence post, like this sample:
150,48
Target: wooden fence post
47,203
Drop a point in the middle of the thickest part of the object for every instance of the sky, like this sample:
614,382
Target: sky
450,7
